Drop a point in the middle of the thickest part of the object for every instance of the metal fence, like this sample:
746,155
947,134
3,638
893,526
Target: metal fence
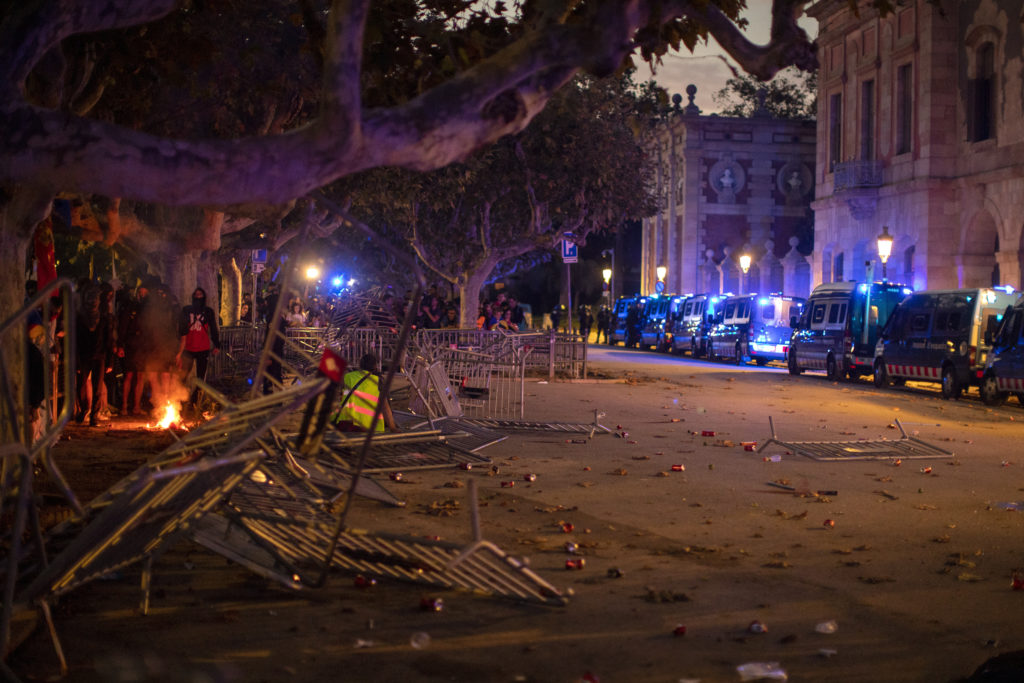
546,351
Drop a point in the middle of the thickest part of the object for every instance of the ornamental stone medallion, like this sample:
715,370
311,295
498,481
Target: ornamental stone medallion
726,178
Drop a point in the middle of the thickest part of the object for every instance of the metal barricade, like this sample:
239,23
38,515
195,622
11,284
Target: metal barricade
909,447
240,347
486,385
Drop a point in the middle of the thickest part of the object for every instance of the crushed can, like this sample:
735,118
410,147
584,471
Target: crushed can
364,581
757,627
431,604
572,548
679,631
707,432
678,468
575,563
529,477
567,527
465,465
507,484
395,476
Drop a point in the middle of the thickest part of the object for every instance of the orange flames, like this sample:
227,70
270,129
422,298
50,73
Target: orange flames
171,418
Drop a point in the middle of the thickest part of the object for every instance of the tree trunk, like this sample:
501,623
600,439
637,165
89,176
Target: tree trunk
231,287
21,209
469,285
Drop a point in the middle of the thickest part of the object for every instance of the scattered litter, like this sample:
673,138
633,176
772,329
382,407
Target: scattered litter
419,640
829,523
1011,506
431,604
707,432
757,627
615,573
620,472
679,630
926,470
772,458
575,563
529,477
360,643
827,652
886,494
754,671
1017,580
678,468
827,627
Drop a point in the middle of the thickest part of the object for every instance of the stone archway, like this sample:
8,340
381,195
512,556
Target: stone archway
976,264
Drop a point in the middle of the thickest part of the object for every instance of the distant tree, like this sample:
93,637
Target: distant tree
578,168
790,95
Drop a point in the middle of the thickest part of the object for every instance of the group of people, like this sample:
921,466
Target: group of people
585,321
133,348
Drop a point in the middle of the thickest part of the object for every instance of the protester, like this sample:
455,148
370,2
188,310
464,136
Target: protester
360,399
93,347
586,322
199,337
604,317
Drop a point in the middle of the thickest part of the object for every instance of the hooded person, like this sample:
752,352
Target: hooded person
199,337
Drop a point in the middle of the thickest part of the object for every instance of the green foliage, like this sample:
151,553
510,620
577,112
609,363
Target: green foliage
790,95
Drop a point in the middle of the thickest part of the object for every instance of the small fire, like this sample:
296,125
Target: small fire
171,418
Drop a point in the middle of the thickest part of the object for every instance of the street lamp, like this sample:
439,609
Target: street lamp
659,286
744,266
607,275
312,273
611,273
884,250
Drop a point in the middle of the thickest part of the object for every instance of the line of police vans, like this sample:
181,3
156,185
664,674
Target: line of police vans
956,338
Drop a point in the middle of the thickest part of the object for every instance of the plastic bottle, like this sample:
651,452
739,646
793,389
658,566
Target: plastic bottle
827,626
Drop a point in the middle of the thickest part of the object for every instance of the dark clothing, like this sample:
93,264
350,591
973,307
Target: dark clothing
93,353
198,325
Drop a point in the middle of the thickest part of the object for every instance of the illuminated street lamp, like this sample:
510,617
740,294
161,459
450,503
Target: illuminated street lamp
884,250
312,273
744,266
659,286
607,275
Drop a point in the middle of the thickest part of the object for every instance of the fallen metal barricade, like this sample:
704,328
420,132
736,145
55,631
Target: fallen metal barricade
286,539
134,521
590,429
397,452
908,447
463,433
486,385
24,442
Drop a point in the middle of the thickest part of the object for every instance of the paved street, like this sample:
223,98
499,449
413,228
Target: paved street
914,568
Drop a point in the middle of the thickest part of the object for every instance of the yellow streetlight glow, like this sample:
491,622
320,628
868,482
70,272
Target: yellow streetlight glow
312,273
884,244
661,272
745,263
607,275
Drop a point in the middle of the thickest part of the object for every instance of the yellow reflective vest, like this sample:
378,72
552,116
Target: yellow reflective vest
361,393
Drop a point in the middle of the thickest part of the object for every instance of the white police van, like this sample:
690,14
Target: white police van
838,328
1004,369
940,336
691,325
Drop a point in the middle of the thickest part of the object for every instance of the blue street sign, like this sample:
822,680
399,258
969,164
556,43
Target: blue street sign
570,252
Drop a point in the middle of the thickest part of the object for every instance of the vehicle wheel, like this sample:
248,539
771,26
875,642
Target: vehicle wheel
989,391
832,369
794,367
739,353
950,383
880,375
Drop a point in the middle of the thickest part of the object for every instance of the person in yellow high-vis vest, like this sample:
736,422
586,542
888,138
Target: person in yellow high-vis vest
360,395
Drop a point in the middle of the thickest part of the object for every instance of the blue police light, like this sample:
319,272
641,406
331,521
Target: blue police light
907,291
764,300
863,289
336,282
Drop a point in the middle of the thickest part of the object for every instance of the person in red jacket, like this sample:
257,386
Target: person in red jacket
199,337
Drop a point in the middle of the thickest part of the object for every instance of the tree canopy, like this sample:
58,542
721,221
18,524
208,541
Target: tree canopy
479,71
790,95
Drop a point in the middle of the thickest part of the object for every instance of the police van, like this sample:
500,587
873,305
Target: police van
618,321
653,333
1004,369
939,336
771,328
690,328
839,325
754,327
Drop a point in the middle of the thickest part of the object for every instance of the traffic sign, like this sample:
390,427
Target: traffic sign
570,252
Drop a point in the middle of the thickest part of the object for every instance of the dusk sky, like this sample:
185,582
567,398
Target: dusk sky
705,68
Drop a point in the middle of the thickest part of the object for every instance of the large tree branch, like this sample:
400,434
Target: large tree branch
497,96
34,26
789,44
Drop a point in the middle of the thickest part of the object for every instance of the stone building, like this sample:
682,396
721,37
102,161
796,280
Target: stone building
920,130
731,186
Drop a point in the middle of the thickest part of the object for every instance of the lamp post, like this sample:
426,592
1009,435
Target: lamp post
312,275
884,250
660,272
610,279
607,275
744,266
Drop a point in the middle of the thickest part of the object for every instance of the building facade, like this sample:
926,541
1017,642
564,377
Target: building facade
729,187
920,130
